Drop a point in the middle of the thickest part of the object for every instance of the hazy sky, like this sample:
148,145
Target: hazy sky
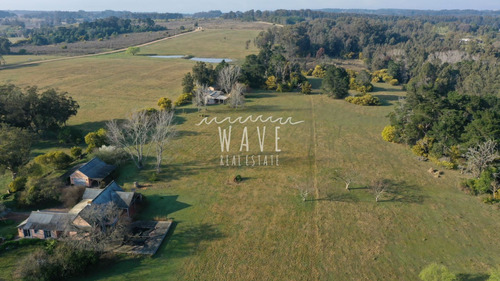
189,6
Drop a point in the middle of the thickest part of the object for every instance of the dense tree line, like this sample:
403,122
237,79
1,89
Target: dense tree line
295,16
98,29
59,17
209,14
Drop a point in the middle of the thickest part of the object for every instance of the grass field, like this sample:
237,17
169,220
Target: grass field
261,229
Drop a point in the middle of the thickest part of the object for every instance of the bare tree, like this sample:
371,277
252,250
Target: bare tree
132,135
303,192
163,131
495,184
107,227
199,97
480,156
237,97
378,188
228,77
347,176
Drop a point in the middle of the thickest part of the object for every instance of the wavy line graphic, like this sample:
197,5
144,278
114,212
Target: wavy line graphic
250,118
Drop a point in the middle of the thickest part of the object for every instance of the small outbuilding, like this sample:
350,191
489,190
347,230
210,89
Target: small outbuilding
92,173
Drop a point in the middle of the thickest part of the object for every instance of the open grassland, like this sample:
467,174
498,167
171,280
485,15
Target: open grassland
261,229
216,43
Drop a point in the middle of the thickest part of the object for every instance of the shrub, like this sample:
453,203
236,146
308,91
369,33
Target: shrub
494,274
436,272
394,82
389,133
183,99
57,159
238,178
387,78
96,139
111,155
271,83
319,71
306,88
133,50
55,263
14,244
165,103
422,147
40,192
76,152
364,100
17,184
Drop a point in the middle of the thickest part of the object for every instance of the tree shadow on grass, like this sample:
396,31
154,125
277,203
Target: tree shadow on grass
401,191
178,243
472,277
386,100
181,170
190,240
338,197
168,204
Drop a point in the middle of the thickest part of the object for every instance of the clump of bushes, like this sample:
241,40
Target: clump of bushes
365,100
56,159
58,262
482,184
436,271
76,152
111,155
17,184
165,104
383,75
423,147
389,133
40,192
96,139
360,81
319,71
183,99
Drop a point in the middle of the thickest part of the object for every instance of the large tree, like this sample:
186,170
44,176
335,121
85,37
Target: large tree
188,83
37,111
15,146
163,131
228,77
132,135
237,96
336,82
203,74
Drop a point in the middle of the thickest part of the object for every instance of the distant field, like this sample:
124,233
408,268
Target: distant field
260,229
110,86
208,43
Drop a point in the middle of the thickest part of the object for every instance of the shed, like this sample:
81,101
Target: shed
92,173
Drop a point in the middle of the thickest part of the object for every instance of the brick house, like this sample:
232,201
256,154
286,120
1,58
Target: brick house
92,173
44,224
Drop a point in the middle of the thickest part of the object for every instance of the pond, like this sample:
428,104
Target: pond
209,60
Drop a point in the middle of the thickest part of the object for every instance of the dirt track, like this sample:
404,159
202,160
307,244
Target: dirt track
100,54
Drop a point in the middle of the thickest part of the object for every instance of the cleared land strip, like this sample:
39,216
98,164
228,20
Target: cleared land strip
99,54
